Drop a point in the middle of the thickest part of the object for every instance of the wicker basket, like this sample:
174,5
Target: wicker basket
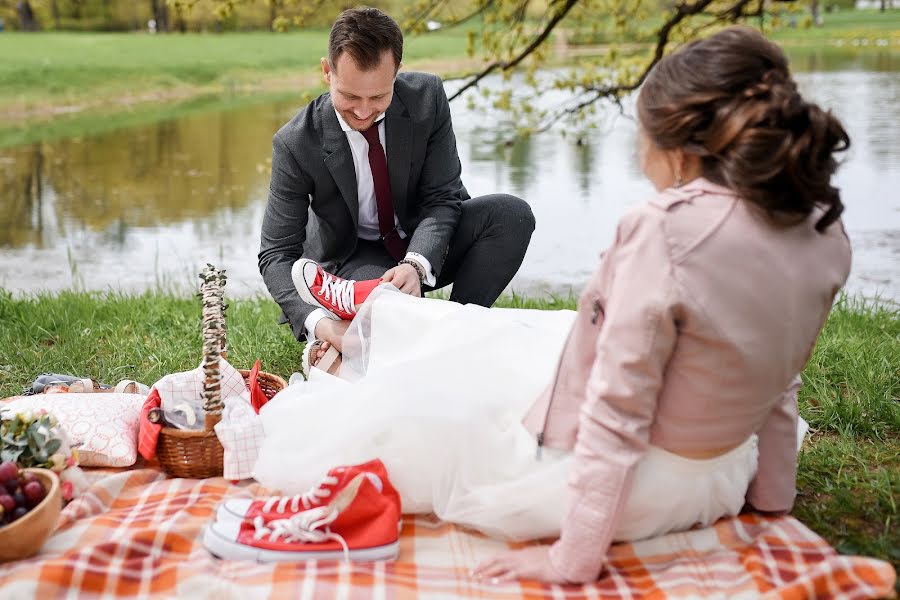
190,454
199,454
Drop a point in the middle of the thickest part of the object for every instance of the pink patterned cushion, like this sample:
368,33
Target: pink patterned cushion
104,427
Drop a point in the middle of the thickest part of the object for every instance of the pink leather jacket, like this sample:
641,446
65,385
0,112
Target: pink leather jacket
690,336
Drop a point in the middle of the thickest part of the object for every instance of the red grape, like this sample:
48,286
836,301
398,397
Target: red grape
12,485
34,493
7,502
19,497
8,471
26,477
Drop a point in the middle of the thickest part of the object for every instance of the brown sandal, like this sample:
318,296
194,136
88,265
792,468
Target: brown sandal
325,363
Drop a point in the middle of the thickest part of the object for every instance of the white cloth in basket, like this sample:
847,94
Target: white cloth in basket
240,430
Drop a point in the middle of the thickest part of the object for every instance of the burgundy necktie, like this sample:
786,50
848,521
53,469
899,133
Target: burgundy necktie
393,243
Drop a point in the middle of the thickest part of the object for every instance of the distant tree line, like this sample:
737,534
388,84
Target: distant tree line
242,15
170,16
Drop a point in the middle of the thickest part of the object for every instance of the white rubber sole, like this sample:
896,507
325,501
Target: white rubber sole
220,545
235,508
303,273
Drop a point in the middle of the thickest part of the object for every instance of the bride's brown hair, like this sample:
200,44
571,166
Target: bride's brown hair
730,100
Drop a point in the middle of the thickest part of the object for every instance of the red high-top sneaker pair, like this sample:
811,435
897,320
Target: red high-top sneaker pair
353,513
341,297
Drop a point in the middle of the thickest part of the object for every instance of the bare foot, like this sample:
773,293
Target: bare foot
331,331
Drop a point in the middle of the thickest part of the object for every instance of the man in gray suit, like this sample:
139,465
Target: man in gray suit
366,182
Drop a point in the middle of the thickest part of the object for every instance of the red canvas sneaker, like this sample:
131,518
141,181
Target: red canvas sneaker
279,507
341,297
360,523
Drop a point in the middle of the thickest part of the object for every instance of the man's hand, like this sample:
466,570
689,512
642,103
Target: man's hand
405,278
332,331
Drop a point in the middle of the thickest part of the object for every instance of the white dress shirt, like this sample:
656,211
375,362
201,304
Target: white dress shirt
368,208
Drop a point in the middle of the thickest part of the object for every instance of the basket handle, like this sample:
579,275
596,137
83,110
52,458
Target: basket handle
212,295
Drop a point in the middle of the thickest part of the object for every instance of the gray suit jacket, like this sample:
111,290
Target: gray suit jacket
313,208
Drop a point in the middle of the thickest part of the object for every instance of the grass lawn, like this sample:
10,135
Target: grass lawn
48,63
45,73
848,480
844,26
791,28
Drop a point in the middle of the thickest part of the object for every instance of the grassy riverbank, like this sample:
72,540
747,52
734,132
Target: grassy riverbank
47,75
865,27
848,483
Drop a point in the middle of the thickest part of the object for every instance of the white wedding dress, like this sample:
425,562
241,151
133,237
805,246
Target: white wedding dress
437,391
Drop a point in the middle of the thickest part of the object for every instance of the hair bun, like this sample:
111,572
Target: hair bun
730,99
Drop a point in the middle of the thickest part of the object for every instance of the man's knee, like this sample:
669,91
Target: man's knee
510,212
517,212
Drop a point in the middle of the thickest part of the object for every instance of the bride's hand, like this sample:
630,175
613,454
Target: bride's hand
532,562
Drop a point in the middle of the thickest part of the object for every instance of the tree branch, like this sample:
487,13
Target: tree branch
506,65
614,92
426,12
431,8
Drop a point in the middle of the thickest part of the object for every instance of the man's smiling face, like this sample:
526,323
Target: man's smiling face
360,96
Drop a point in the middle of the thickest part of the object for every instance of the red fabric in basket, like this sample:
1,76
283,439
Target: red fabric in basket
148,433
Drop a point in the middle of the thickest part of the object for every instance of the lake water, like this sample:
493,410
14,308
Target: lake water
146,207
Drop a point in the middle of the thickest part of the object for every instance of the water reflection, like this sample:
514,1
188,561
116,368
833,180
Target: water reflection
143,177
846,57
147,206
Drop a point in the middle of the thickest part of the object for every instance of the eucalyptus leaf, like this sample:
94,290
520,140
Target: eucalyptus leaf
39,437
9,455
33,445
53,446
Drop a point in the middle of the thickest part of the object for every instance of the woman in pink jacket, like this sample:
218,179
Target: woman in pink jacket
673,402
691,335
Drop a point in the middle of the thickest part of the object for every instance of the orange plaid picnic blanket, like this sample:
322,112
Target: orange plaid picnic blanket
136,533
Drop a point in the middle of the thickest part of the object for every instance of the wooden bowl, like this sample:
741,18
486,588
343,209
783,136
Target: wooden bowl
25,537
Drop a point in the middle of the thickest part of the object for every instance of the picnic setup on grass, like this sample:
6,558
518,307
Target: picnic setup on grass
527,299
117,491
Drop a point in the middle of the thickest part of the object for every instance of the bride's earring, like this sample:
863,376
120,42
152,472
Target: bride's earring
678,180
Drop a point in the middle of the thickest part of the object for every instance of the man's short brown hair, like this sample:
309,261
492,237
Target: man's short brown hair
365,33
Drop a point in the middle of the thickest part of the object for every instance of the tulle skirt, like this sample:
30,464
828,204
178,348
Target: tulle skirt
437,391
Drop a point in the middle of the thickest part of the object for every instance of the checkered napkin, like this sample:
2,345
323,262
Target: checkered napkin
241,433
137,534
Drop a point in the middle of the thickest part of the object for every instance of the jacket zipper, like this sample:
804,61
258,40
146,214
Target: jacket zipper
597,309
540,434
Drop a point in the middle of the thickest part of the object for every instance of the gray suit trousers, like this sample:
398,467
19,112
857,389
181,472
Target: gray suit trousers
484,254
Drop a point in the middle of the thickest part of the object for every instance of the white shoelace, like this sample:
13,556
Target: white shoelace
303,527
308,498
340,289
